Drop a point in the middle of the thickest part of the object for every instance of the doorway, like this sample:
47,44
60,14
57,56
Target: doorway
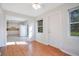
16,32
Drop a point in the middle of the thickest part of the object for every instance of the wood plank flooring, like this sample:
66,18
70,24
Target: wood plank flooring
31,49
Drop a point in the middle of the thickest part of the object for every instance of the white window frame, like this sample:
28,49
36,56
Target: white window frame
70,10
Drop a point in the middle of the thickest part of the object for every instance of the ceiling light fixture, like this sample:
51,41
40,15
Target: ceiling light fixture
36,6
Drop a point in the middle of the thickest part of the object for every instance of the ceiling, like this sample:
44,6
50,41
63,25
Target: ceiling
27,9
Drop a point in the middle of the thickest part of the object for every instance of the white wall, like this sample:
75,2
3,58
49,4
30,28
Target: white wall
56,30
70,43
3,37
42,37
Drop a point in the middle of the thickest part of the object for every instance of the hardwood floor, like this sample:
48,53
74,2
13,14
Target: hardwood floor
31,49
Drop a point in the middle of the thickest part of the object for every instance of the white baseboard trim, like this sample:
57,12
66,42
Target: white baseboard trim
41,42
54,45
63,50
72,54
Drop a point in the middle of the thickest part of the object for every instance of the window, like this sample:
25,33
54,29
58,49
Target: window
74,21
40,26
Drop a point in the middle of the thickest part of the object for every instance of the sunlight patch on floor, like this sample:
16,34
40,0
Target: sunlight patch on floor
18,43
22,43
